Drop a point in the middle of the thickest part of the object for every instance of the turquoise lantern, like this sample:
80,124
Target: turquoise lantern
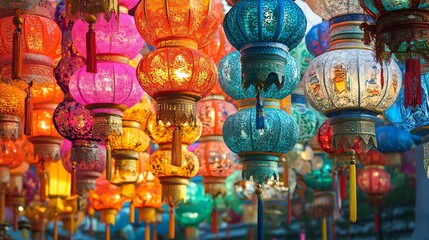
303,56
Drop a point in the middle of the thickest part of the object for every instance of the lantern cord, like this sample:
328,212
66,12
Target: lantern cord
382,76
73,179
376,220
132,213
71,224
91,227
412,84
289,207
286,176
251,234
28,121
260,229
324,229
108,161
260,124
91,51
353,198
343,186
333,236
2,203
214,220
17,47
147,232
55,227
171,226
24,233
107,231
337,205
176,152
154,232
15,219
42,176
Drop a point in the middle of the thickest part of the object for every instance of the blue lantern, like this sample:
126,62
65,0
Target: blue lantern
264,31
317,39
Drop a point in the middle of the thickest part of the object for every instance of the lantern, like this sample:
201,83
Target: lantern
12,102
349,86
106,199
374,180
304,117
218,45
400,29
14,196
190,214
303,56
264,43
126,147
317,39
147,200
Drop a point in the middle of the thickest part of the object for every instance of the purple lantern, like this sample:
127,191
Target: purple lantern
317,39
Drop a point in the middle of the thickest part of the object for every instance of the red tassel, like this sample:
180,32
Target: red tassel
17,47
376,221
42,182
28,121
15,219
73,191
382,77
412,84
251,234
91,50
215,228
289,207
333,229
343,186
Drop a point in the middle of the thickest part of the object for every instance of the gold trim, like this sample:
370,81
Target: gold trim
113,58
123,9
251,102
211,138
213,97
374,166
242,154
131,124
176,42
106,105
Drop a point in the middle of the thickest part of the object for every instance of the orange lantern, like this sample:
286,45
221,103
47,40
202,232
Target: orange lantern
108,201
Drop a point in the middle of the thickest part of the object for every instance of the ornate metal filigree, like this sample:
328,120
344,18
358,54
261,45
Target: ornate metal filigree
260,168
106,125
173,190
176,109
10,127
215,186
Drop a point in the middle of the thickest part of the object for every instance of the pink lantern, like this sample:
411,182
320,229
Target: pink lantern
129,4
113,37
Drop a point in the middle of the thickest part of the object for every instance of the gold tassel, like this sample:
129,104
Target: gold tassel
71,224
2,204
28,121
108,162
42,188
17,47
107,231
324,230
154,232
24,233
171,227
147,232
353,198
286,176
176,152
132,216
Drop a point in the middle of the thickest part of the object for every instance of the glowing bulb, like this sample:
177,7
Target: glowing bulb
20,208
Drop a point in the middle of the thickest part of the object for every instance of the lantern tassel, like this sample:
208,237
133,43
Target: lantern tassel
91,51
24,233
71,224
353,199
108,161
260,227
132,214
413,85
107,231
286,176
302,235
376,221
176,152
2,204
251,234
333,230
289,207
56,228
147,232
215,228
154,232
382,77
324,229
15,219
17,47
260,124
28,121
73,179
42,182
337,192
343,186
171,226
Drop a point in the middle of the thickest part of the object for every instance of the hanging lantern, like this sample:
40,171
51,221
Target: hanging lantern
304,117
126,148
111,89
303,56
392,142
264,43
147,200
400,28
173,177
350,96
12,102
218,45
317,39
374,180
106,199
323,198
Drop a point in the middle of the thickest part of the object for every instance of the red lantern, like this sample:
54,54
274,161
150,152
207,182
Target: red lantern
374,180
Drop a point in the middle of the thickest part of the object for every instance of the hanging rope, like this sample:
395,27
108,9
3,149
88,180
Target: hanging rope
260,229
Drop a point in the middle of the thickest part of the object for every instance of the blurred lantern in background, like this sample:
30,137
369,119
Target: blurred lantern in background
106,199
190,214
374,180
317,39
400,28
348,85
392,142
111,89
14,197
301,54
